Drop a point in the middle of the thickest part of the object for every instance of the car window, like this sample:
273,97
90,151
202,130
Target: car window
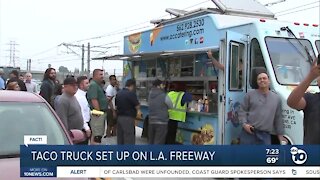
18,119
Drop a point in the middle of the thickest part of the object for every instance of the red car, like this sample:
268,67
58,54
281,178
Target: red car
23,113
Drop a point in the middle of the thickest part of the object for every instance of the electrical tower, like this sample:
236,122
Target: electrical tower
13,54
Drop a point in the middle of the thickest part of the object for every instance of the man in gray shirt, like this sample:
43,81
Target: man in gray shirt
260,114
159,103
68,108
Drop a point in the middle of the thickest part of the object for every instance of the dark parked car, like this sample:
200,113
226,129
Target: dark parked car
23,113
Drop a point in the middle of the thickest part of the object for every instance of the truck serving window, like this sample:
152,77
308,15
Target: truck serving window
289,59
318,45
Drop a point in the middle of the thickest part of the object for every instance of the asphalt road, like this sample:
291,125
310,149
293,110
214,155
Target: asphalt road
139,140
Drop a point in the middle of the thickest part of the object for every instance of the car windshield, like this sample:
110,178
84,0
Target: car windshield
290,59
318,45
18,119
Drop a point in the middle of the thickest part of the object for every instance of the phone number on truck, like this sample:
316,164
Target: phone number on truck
190,24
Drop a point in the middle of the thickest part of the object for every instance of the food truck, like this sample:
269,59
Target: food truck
245,37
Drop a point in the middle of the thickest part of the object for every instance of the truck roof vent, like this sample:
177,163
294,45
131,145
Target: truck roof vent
176,12
244,7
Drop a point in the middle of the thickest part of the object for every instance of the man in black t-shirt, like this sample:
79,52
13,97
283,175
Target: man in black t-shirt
128,108
310,104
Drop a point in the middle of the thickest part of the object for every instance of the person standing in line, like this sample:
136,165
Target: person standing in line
310,104
47,88
260,114
128,108
21,77
178,112
158,103
57,93
83,85
111,92
13,86
2,81
31,86
14,77
68,108
97,101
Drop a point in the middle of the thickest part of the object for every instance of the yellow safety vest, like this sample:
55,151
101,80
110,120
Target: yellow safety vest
178,112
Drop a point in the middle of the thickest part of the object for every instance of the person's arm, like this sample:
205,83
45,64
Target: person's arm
296,99
34,87
2,86
62,112
168,102
83,106
22,85
93,96
134,100
95,104
278,122
186,98
215,62
243,114
45,92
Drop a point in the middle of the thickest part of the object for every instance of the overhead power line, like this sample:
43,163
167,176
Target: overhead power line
116,32
298,11
42,52
124,30
297,7
64,60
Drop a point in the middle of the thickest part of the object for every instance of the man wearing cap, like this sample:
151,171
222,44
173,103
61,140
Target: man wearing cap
68,108
158,103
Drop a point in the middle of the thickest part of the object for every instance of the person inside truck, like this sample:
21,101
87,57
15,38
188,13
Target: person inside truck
220,66
215,62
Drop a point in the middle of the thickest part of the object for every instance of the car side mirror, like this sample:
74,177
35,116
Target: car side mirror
77,136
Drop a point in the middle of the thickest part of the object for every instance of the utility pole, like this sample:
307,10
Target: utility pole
29,65
88,68
82,60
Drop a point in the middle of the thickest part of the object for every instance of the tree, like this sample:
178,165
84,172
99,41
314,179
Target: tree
76,71
63,69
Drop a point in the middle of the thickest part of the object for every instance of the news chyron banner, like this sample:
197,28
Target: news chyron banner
181,161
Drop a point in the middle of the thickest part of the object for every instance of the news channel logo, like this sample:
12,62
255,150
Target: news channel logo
298,156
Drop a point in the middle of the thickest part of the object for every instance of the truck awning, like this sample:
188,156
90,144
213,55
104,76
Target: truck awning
136,56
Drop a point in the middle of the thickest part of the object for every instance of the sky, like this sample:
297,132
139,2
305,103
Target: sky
39,27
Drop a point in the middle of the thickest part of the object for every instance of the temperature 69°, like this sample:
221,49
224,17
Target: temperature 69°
272,160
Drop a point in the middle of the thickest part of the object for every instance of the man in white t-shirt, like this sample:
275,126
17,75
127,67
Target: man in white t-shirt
111,93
